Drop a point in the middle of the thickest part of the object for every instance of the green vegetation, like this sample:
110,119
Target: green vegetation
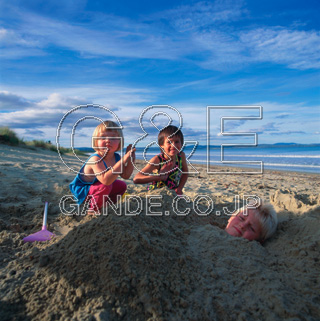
9,137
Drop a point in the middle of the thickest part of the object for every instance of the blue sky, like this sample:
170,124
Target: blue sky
128,55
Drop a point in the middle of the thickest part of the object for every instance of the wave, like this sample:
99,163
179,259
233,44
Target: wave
292,165
254,155
275,156
239,163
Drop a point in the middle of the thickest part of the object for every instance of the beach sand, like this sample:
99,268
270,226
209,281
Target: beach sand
165,266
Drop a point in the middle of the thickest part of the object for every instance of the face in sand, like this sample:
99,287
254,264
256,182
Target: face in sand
246,226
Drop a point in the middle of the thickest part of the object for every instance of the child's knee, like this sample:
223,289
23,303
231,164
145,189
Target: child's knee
120,186
123,186
100,189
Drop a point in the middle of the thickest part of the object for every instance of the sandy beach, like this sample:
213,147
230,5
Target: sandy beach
177,264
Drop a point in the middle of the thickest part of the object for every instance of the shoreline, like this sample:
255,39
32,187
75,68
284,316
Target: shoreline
228,170
286,168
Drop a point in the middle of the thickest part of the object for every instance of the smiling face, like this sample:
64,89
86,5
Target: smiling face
246,226
171,146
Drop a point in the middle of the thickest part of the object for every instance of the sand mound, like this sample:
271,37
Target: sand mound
295,202
158,268
168,267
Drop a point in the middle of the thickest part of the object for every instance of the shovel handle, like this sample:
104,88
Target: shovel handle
44,225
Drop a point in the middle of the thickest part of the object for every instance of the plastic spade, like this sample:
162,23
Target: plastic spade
44,234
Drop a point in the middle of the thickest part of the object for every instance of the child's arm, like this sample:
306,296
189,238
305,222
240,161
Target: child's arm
184,177
142,176
108,177
128,166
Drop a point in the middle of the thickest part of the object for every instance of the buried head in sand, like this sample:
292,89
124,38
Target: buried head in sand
258,223
253,222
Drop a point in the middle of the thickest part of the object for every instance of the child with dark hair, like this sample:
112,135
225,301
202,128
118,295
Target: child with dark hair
169,168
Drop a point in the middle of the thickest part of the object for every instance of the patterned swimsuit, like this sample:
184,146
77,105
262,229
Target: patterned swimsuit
174,177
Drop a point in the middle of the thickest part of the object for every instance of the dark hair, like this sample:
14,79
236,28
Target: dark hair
169,131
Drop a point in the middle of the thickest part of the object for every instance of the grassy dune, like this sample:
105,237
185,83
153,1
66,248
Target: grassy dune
9,137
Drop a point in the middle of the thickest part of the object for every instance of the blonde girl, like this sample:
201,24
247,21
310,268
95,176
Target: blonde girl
97,178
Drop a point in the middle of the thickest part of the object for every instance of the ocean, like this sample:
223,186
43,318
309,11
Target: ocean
286,157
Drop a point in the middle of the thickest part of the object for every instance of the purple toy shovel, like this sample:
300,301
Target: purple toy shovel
44,234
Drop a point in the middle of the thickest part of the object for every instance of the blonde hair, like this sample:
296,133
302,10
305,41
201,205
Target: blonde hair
103,127
266,215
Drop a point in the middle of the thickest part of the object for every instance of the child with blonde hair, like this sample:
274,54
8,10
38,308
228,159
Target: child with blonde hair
97,178
253,222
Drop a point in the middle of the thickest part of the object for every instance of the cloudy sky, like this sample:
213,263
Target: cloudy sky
120,57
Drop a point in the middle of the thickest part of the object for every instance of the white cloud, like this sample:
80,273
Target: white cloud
290,132
112,36
44,115
200,33
10,37
56,100
234,50
272,108
186,18
16,44
30,118
13,53
294,48
224,51
268,127
9,101
283,115
37,112
34,132
109,95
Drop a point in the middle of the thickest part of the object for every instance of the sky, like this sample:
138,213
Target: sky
66,65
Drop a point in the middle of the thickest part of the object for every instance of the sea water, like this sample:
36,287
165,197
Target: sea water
302,158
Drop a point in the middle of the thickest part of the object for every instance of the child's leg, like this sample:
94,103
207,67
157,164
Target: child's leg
96,193
118,188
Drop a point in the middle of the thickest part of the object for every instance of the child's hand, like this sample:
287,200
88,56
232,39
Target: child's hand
133,153
129,154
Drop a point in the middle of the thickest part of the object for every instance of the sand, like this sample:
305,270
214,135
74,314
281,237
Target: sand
165,266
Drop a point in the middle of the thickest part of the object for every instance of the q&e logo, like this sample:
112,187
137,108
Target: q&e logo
216,119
